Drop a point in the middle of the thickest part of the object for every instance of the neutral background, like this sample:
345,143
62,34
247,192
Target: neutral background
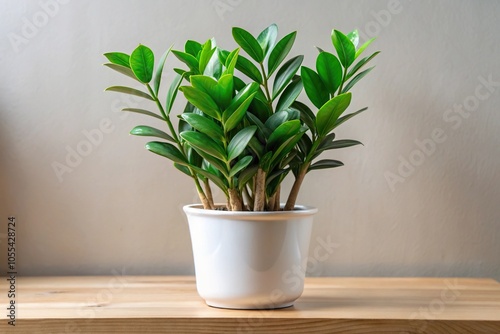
395,209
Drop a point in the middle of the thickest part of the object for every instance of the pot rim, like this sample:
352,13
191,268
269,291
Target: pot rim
300,210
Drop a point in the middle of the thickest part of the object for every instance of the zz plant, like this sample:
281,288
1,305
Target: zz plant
243,128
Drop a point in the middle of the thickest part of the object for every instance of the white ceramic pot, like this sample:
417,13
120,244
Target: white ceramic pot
250,260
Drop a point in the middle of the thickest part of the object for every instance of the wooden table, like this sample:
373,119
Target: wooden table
170,304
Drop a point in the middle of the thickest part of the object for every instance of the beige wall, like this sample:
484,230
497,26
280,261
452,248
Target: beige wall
119,209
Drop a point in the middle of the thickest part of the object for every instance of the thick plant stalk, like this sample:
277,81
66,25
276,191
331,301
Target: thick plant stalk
235,200
271,202
292,198
208,192
249,198
260,191
204,200
277,196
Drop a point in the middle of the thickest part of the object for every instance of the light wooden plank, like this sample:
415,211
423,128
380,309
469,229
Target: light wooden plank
170,304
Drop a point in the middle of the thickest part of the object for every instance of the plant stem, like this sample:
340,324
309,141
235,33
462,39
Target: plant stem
167,118
248,196
235,200
292,197
260,190
204,200
208,192
277,196
342,82
266,87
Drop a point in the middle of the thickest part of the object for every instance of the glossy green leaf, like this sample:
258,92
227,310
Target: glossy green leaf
289,158
279,52
167,150
336,144
246,175
123,70
345,49
118,58
241,97
290,94
284,149
240,141
274,180
238,115
214,66
326,163
144,112
360,64
285,74
182,124
204,83
224,90
319,49
354,37
305,145
172,92
248,43
145,130
130,91
142,61
262,131
246,67
205,125
218,181
194,158
201,100
329,70
188,59
204,143
327,140
256,147
267,38
159,70
330,112
314,87
205,55
231,61
221,92
306,115
215,162
348,117
363,47
260,108
283,133
276,120
354,80
240,165
183,169
192,47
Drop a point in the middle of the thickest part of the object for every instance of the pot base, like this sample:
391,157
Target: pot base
242,307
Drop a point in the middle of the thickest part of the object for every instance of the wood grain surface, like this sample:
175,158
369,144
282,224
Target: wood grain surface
170,304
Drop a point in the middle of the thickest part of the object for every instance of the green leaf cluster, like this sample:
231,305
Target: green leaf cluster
242,127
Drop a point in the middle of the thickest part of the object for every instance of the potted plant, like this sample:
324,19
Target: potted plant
243,130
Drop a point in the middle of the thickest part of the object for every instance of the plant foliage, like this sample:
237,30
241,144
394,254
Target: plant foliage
243,128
